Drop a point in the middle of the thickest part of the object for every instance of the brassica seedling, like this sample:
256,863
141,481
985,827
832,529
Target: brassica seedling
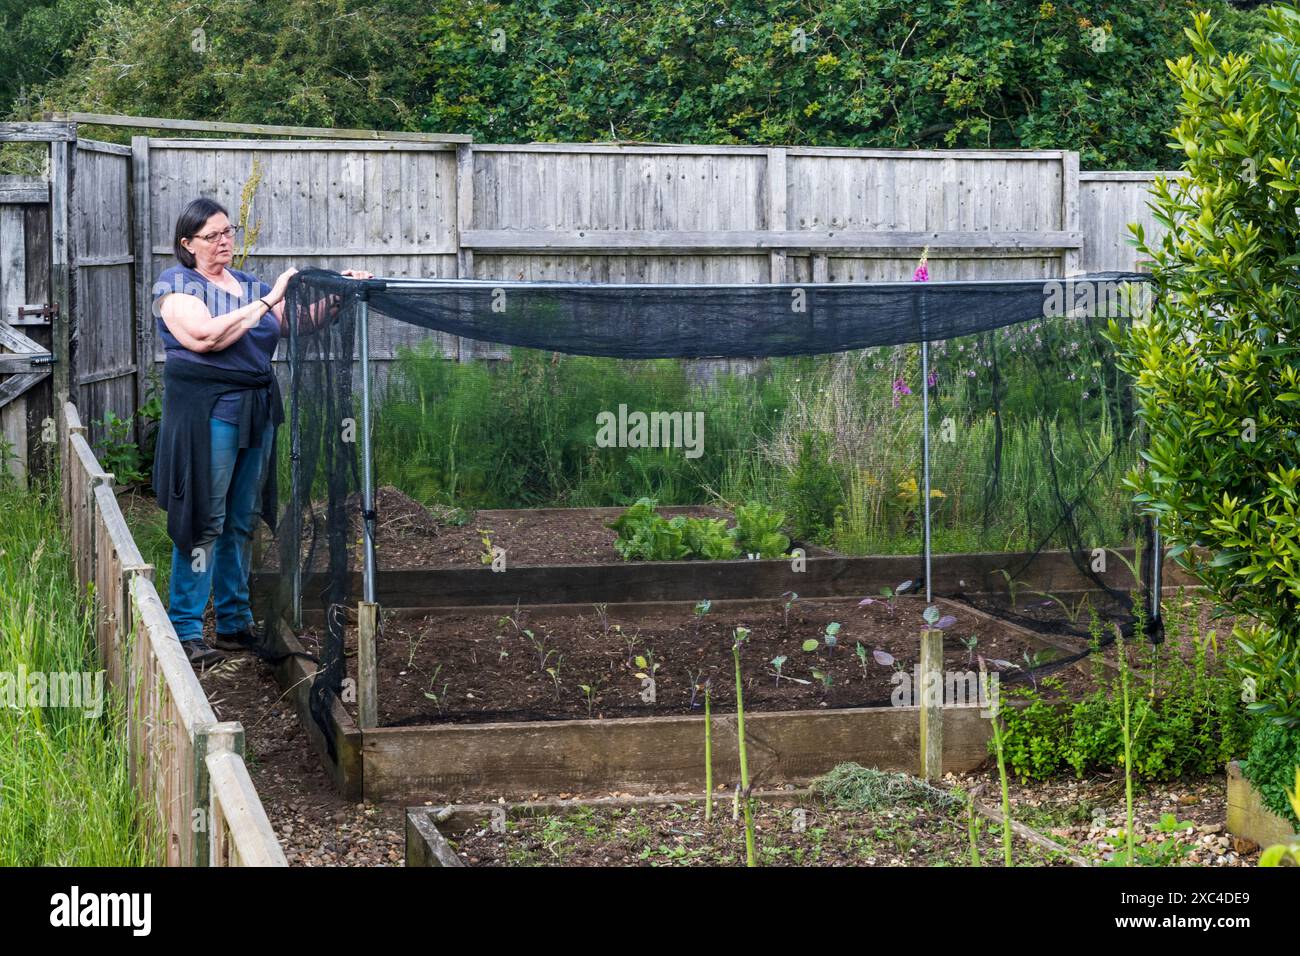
778,662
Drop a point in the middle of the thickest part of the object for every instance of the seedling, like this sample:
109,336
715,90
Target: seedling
647,662
628,642
696,686
589,695
602,615
1035,661
554,673
1013,586
862,657
539,645
888,596
932,616
439,698
790,597
702,608
778,662
823,676
831,637
488,553
970,643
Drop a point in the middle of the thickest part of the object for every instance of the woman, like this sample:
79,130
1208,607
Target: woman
221,406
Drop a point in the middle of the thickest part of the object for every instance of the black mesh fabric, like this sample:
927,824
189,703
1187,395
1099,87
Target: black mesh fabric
1031,427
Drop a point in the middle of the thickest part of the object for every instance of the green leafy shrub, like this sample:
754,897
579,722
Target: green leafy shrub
758,531
709,538
1187,719
1217,362
813,491
116,452
1270,766
645,535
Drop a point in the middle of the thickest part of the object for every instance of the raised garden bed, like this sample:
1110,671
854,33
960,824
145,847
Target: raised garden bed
793,730
794,828
567,556
533,664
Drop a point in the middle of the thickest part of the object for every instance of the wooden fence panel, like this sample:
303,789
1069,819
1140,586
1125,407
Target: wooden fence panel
167,709
240,833
117,562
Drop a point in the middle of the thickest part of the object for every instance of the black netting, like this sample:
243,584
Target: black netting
813,397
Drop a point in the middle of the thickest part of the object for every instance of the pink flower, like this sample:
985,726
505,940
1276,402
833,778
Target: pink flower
922,274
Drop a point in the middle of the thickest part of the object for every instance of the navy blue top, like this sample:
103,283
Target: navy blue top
251,352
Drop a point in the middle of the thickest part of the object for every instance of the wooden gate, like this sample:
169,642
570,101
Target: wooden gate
29,309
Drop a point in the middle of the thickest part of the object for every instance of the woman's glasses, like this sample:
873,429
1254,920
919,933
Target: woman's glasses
229,233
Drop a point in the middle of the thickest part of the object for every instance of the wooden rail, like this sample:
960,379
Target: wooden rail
188,767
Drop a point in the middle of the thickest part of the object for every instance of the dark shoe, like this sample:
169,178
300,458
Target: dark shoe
199,654
238,641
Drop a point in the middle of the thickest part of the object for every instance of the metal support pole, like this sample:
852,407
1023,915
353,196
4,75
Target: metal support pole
1155,568
925,454
367,477
295,475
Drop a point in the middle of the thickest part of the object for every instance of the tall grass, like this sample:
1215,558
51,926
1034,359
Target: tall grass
1035,429
65,798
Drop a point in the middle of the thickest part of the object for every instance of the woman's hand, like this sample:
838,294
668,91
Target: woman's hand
357,274
282,283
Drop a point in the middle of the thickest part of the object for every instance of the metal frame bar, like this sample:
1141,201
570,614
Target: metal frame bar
367,476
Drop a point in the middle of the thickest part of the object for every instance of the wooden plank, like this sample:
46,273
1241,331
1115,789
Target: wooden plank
24,132
536,240
425,844
142,246
1128,175
242,833
12,193
13,294
167,710
61,267
689,149
294,674
117,561
260,129
775,211
433,248
1249,818
641,754
96,146
1070,210
1052,572
42,422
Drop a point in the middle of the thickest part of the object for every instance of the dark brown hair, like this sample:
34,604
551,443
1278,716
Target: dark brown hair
190,221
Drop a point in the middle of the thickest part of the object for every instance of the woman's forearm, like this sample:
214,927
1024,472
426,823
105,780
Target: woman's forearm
233,325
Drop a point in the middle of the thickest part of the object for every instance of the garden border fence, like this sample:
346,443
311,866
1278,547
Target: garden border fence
188,766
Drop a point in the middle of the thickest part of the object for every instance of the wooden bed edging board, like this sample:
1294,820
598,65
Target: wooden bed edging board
1247,815
1050,572
640,754
294,675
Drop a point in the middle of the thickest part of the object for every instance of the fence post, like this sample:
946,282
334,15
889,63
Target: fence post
367,665
931,710
227,737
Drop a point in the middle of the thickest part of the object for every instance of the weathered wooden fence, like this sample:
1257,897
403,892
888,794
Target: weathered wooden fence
97,231
188,766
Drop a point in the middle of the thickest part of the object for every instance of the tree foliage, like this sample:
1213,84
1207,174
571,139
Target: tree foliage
1217,365
1076,74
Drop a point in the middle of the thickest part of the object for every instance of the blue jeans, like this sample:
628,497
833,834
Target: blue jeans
219,563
